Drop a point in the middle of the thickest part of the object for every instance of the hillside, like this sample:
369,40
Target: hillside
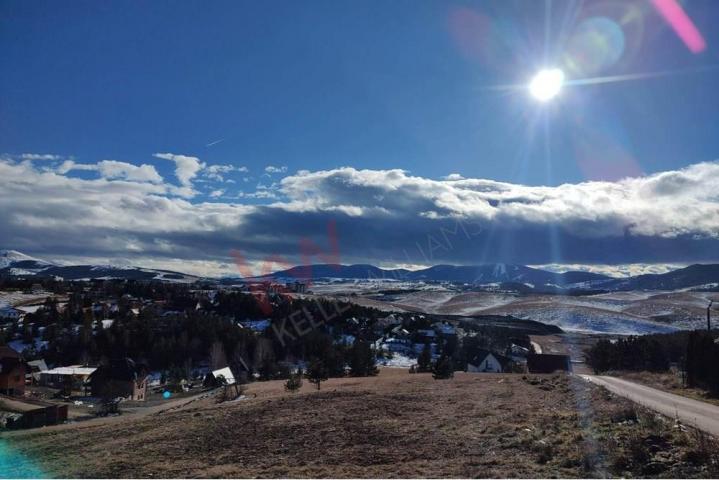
514,277
17,264
518,278
393,425
489,273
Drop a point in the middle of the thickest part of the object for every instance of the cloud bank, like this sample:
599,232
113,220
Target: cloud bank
381,216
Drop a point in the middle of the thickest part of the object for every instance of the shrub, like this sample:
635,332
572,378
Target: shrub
443,369
294,382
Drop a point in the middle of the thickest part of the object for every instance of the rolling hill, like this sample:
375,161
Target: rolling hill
515,277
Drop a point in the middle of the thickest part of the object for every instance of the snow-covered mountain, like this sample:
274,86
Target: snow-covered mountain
17,264
512,277
13,258
13,262
477,274
515,277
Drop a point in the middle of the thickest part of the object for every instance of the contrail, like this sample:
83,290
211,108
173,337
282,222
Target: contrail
215,142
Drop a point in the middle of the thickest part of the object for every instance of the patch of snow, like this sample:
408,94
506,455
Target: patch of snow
19,346
29,308
398,360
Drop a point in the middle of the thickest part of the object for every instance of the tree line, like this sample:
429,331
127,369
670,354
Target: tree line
695,353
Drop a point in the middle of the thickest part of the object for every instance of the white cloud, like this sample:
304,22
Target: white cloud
453,176
186,167
112,169
271,169
381,215
217,172
40,156
668,204
217,193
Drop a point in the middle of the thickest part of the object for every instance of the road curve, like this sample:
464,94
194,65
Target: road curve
701,415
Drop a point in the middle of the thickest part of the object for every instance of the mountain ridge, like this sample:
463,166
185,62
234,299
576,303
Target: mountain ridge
17,264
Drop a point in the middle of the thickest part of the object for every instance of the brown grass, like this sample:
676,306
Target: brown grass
393,425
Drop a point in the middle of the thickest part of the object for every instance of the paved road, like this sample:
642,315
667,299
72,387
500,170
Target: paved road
702,415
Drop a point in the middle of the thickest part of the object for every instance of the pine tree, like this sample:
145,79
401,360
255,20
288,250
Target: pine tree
443,368
218,359
424,362
316,372
362,360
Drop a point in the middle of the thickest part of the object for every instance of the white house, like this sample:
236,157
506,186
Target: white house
486,362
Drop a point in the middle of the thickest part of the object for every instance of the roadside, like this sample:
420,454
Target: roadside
698,414
668,381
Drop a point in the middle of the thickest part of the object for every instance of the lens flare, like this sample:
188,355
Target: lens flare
546,84
596,45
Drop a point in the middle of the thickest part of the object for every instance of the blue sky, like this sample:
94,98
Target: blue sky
315,86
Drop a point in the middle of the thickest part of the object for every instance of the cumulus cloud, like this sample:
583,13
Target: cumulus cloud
217,172
186,167
453,176
668,204
112,169
386,216
272,169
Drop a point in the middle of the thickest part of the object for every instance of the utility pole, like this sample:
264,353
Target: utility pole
709,316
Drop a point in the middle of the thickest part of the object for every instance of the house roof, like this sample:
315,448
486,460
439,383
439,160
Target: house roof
226,373
122,369
71,370
17,405
547,363
482,354
39,364
7,352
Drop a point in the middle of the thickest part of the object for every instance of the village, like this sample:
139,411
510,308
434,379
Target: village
73,351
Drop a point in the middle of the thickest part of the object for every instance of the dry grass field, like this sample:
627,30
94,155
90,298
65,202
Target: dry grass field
393,425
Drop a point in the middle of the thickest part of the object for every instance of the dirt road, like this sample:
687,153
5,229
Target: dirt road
692,412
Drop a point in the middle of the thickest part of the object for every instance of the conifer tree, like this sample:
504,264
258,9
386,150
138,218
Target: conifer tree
316,372
424,362
443,368
362,360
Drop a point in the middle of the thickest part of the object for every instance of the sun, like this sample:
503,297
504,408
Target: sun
546,84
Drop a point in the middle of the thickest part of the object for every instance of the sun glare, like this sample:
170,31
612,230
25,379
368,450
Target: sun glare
546,84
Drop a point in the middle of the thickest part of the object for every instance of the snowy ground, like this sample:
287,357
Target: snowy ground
15,298
634,312
398,361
